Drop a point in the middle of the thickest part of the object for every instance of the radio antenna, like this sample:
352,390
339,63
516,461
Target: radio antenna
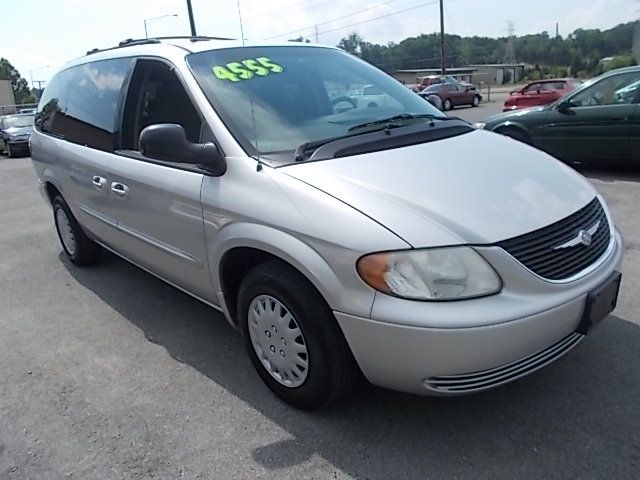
241,27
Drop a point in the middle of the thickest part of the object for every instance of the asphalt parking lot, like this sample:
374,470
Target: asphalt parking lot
108,373
486,108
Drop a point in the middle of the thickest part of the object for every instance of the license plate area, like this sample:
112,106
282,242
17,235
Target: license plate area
600,302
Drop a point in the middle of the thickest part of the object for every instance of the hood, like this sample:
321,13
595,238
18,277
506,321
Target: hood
14,131
476,188
515,114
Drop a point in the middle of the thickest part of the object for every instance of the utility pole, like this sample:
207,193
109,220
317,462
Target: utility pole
316,33
557,30
442,67
191,21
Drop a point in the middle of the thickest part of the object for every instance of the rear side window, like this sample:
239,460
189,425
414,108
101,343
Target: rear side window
50,114
92,105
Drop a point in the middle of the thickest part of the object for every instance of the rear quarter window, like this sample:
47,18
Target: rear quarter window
81,103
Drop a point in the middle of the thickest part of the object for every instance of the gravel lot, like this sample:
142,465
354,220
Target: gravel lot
108,373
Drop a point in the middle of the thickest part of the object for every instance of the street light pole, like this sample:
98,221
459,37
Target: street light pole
147,21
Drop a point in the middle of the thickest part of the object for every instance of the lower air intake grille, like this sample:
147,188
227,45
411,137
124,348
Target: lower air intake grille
473,382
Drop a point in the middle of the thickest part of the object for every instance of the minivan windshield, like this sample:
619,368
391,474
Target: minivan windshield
274,99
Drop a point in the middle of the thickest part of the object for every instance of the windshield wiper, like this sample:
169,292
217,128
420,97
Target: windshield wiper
384,124
309,146
389,122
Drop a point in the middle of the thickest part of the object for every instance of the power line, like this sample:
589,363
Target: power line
332,20
379,17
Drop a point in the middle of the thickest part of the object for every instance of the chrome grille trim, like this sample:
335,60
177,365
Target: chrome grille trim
485,379
538,250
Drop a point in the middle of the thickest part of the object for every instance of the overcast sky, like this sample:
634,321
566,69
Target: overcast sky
38,33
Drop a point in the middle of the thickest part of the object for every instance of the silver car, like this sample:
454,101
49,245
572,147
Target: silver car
387,241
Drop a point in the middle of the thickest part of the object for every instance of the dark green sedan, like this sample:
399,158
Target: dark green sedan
598,122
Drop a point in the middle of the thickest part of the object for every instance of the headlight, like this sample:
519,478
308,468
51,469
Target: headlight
479,125
19,138
448,273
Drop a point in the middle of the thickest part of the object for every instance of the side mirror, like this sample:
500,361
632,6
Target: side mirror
565,106
168,142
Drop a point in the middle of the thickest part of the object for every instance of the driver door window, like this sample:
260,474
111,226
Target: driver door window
615,90
157,96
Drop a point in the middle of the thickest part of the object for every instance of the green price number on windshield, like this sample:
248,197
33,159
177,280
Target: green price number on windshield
246,69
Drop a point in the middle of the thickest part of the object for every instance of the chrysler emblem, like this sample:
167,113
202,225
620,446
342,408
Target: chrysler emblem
584,237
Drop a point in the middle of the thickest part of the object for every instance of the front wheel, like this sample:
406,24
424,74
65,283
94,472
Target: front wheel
476,101
80,249
292,337
446,105
516,134
10,152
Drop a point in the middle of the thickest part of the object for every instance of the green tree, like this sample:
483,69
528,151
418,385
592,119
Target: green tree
352,43
20,86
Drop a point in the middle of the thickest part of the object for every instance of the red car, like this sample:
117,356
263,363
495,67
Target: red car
452,95
541,92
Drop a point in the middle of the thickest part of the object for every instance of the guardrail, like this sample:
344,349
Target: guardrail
10,109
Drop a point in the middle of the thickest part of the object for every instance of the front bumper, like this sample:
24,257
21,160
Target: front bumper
19,145
401,354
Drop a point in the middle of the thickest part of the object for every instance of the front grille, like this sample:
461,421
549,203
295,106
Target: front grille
539,253
475,382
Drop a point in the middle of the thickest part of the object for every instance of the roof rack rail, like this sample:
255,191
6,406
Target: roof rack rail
196,38
148,41
138,41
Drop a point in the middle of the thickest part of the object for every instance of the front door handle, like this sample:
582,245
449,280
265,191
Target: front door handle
99,182
119,189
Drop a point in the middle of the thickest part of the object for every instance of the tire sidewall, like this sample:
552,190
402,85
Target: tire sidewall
446,105
59,204
476,101
315,386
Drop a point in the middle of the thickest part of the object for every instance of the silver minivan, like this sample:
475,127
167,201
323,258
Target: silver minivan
342,238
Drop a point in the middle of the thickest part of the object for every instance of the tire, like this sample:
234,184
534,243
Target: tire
275,293
446,105
10,152
516,134
80,249
476,101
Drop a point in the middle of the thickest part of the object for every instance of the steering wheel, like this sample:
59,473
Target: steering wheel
343,104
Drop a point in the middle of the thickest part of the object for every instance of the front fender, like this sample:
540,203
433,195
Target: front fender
302,256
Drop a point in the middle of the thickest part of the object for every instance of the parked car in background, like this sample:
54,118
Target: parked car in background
598,122
541,92
452,95
372,96
437,79
27,110
15,131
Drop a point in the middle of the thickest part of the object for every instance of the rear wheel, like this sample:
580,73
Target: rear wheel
446,105
292,337
80,249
